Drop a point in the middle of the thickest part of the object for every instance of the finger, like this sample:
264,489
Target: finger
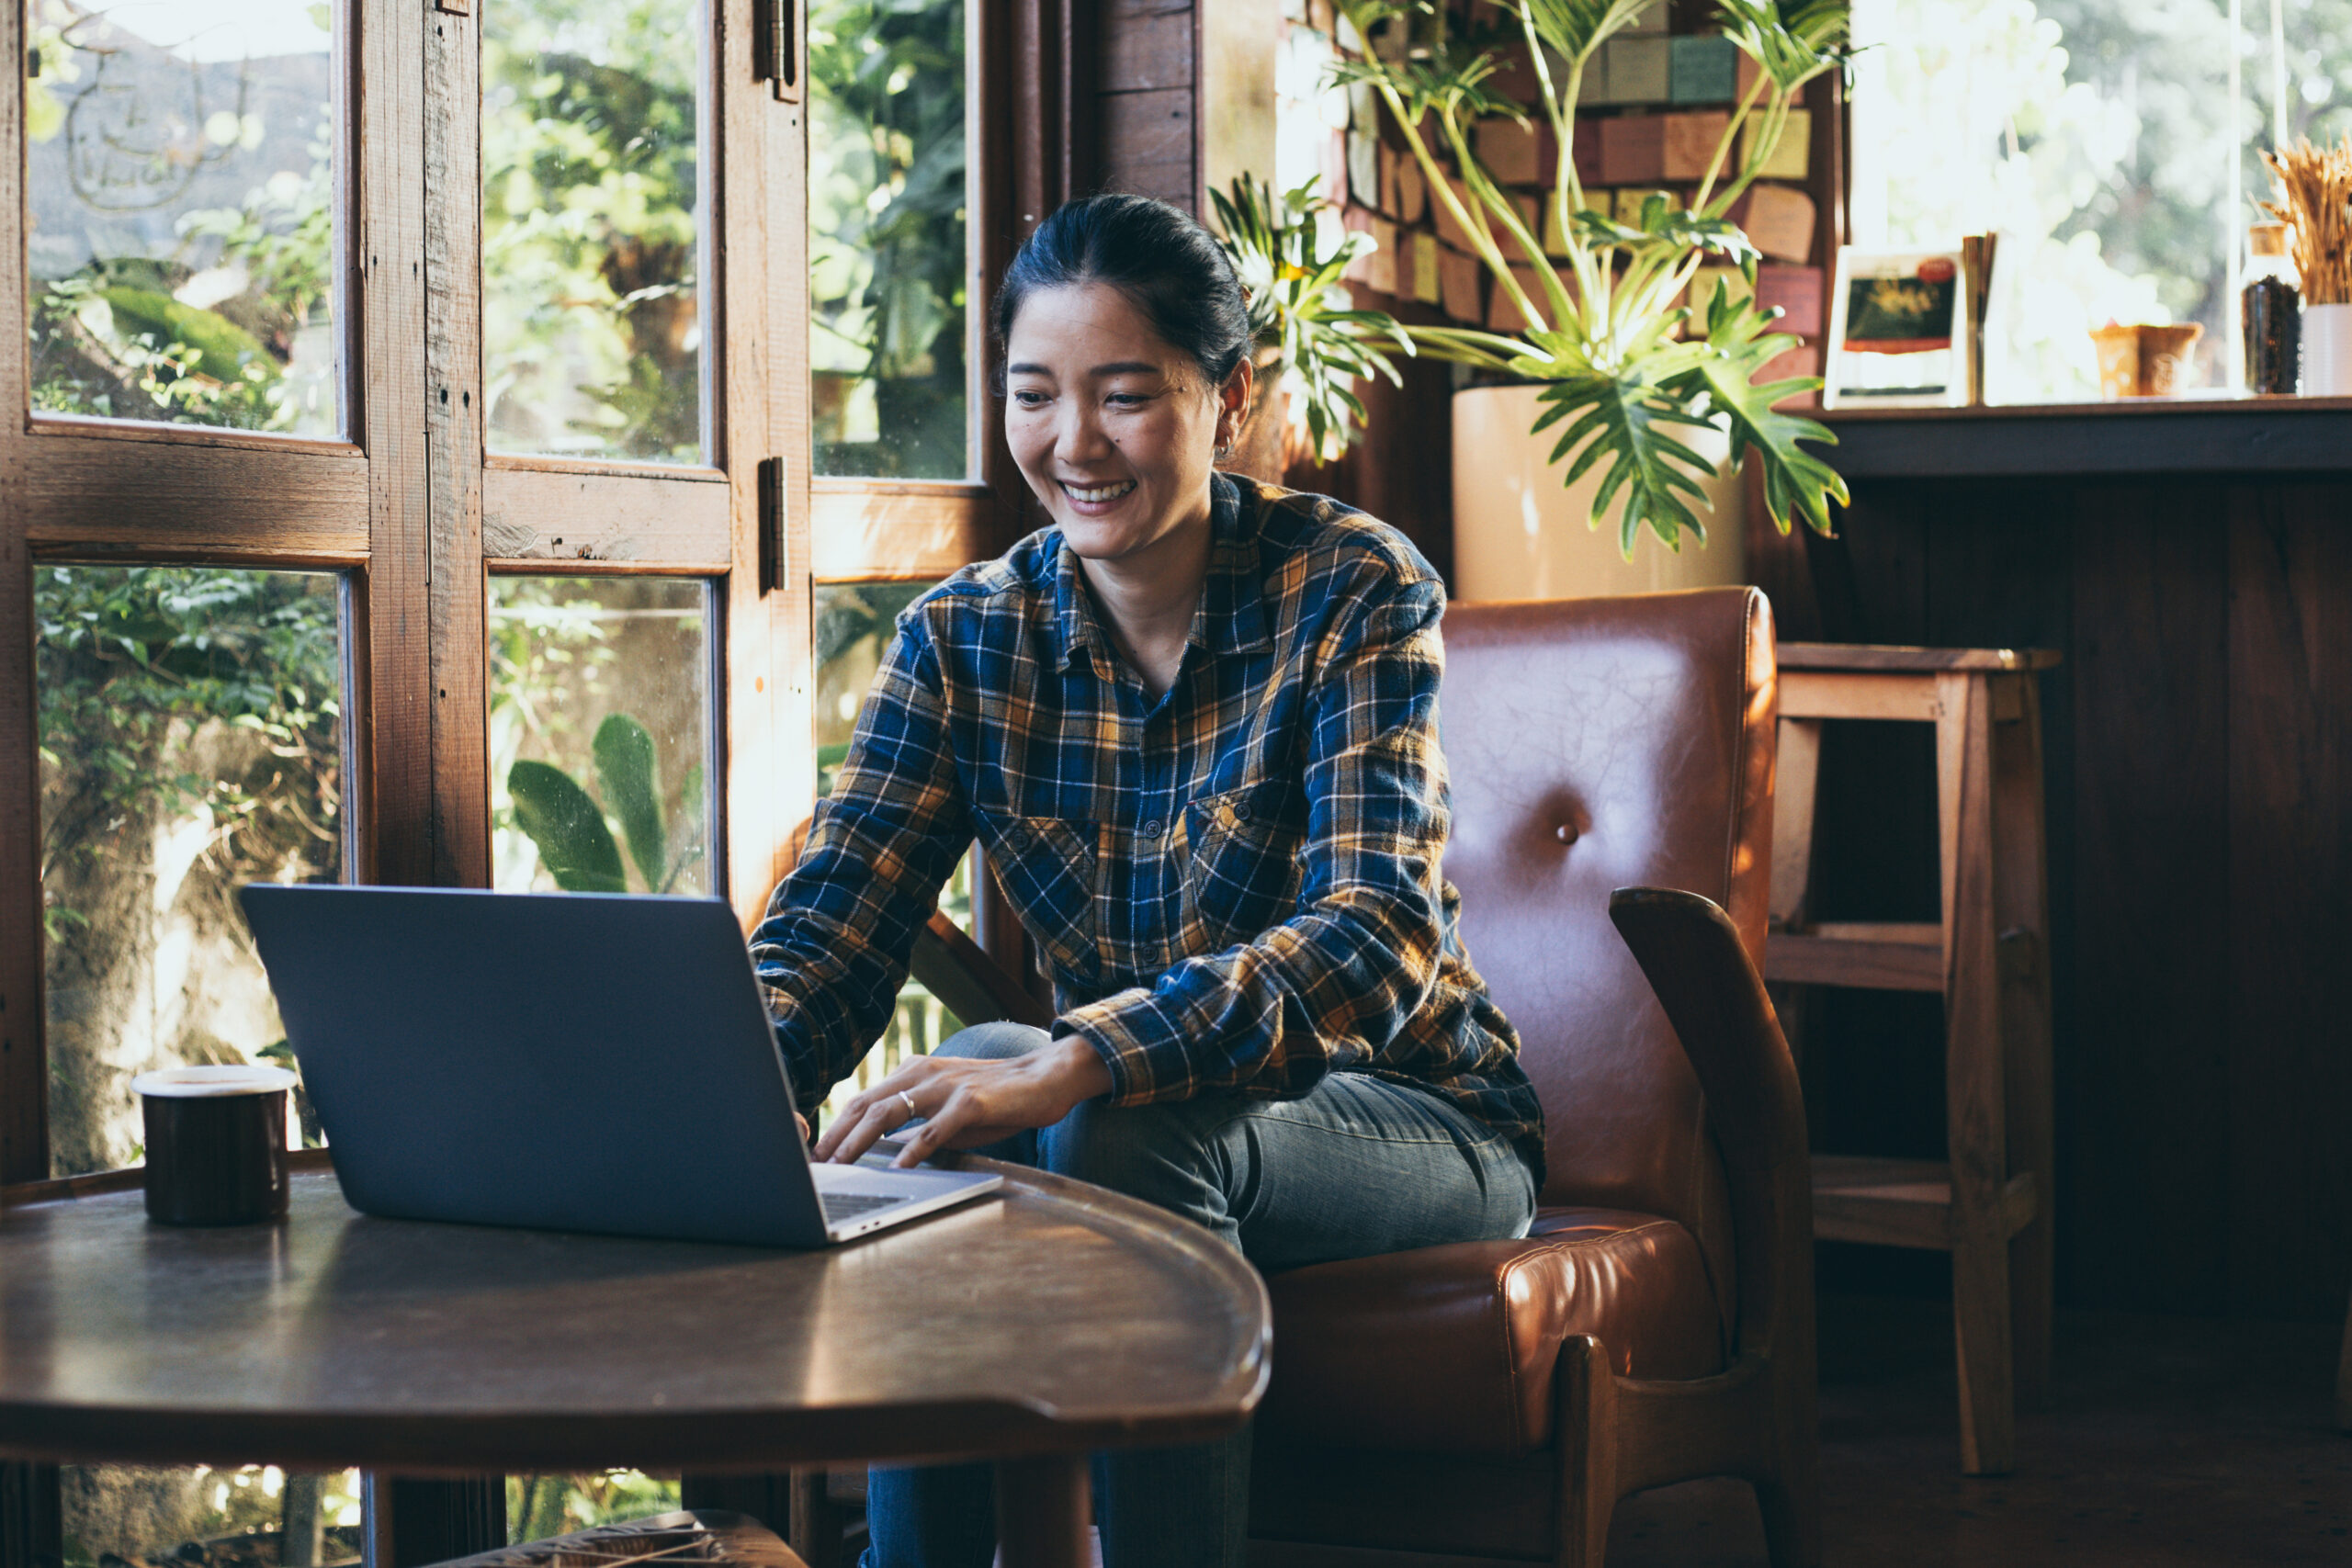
882,1097
802,1123
920,1143
888,1112
909,1077
859,1136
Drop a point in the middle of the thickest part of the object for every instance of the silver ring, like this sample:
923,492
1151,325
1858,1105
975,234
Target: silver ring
908,1101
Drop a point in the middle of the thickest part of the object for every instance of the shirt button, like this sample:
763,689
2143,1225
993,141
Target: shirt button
1151,829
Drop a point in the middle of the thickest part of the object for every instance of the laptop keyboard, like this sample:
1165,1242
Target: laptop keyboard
841,1206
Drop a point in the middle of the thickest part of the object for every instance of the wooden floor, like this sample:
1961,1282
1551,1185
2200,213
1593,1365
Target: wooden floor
2174,1442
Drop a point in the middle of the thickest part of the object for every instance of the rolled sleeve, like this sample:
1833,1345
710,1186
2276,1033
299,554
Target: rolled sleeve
833,949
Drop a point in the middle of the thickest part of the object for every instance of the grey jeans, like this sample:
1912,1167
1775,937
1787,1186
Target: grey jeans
1357,1166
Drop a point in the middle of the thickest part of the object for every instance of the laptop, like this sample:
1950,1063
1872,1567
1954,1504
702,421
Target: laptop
568,1061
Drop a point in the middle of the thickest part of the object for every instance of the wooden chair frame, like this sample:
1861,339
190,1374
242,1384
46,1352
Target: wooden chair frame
1756,1419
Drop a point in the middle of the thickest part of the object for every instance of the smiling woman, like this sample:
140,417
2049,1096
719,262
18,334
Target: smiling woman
1192,724
1124,384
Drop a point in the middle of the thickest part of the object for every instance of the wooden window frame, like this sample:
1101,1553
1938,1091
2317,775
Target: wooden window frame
1034,91
411,508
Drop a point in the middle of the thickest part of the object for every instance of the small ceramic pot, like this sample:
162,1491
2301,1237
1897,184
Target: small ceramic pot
2168,359
2327,351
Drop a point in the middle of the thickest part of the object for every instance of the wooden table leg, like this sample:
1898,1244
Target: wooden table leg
1042,1509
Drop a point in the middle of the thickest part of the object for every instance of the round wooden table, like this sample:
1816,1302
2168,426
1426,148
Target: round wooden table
1027,1329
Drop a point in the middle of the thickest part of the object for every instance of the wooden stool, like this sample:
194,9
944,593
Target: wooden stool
1988,1202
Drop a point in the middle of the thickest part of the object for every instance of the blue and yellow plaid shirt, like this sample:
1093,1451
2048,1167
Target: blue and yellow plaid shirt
1237,888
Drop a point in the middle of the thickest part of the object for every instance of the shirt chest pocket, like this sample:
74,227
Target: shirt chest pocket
1242,875
1046,867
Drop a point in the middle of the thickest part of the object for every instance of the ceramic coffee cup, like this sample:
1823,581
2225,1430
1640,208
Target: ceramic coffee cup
216,1144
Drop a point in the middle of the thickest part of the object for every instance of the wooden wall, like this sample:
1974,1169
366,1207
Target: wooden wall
1146,99
2200,786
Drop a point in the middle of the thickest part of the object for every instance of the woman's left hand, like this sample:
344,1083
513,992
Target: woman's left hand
966,1100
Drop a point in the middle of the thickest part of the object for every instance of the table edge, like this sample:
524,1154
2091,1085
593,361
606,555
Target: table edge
669,1439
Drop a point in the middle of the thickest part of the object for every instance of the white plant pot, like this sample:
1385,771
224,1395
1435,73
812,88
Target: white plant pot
2327,351
1519,533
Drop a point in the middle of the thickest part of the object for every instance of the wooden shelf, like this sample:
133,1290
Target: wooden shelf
2146,436
1899,1202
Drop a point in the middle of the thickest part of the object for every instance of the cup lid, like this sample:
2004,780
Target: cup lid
199,1083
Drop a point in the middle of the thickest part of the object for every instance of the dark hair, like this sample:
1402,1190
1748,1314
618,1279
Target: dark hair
1168,268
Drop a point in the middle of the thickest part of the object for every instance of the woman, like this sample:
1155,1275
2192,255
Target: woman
1193,723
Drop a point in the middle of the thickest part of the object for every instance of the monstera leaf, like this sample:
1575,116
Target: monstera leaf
575,844
1738,347
628,771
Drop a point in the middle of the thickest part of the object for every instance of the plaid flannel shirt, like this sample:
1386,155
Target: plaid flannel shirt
1236,889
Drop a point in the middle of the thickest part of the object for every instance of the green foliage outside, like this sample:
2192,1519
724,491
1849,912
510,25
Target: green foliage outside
576,843
888,279
591,326
592,680
113,338
134,664
592,333
538,1507
115,1516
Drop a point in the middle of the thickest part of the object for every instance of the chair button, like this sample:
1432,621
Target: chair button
1566,832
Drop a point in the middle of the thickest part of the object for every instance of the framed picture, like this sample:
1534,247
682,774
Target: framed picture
1898,331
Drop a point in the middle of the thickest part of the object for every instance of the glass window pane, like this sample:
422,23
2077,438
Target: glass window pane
538,1507
853,627
232,1517
890,316
591,214
191,740
2093,135
600,734
180,211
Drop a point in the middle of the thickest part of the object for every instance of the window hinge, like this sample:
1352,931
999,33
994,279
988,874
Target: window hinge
775,47
455,7
770,525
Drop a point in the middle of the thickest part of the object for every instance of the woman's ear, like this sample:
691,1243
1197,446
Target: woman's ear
1233,403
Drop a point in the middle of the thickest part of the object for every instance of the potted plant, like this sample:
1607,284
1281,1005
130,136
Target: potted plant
1311,344
1631,385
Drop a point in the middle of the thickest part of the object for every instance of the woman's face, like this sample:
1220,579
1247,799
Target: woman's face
1115,430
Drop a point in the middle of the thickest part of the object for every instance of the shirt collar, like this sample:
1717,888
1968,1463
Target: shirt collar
1231,618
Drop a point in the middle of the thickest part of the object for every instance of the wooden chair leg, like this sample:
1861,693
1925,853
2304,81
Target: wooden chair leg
1586,1433
1789,1496
2021,915
1974,1064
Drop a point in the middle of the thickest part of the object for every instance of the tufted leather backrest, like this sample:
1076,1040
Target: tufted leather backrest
1641,731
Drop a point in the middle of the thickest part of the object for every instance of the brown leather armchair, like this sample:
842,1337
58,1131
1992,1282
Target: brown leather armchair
1493,1399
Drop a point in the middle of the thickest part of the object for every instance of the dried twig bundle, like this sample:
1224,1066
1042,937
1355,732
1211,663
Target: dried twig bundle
2315,191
